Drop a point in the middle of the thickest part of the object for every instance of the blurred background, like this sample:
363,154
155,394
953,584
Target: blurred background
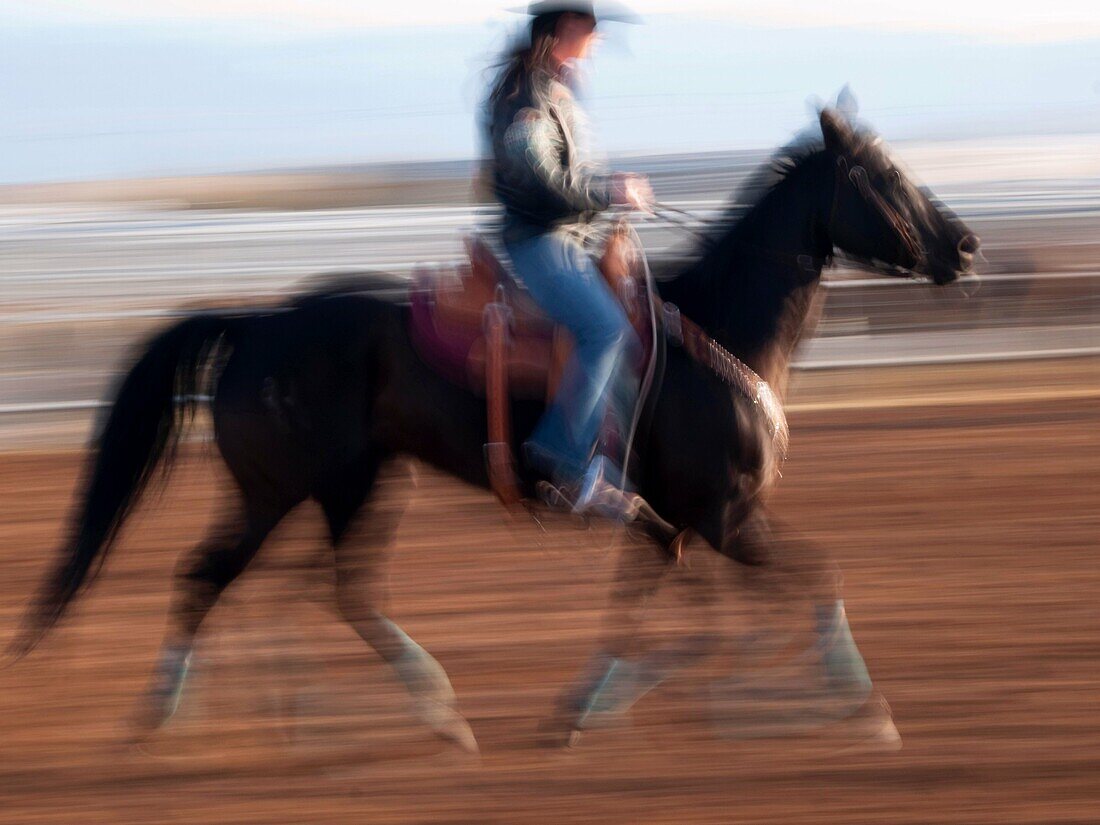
189,151
161,156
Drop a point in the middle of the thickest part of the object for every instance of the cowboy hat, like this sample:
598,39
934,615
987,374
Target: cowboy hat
609,11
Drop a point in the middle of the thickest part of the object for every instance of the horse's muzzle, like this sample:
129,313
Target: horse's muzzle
966,249
969,244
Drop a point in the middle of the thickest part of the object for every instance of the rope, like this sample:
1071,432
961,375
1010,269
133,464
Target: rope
651,367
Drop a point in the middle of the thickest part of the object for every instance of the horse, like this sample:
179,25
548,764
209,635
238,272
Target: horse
328,399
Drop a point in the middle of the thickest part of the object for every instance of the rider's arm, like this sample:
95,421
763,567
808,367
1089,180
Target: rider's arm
533,144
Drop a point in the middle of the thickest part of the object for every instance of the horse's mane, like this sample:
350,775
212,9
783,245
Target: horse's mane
748,194
761,182
722,232
726,281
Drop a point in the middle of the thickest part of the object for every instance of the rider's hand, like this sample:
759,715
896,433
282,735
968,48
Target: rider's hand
633,191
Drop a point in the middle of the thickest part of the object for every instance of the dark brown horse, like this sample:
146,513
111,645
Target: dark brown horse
328,398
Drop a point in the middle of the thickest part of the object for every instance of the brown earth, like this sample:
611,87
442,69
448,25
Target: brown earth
966,529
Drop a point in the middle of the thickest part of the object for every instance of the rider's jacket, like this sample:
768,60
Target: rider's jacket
538,172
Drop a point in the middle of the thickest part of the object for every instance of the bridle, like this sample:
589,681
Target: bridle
903,229
856,175
730,369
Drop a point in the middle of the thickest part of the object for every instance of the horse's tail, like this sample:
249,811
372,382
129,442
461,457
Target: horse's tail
141,428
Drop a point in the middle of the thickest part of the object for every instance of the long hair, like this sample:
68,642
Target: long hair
524,59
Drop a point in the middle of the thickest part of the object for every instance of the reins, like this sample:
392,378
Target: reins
683,220
856,175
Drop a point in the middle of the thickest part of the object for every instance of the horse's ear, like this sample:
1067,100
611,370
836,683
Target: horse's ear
836,131
847,104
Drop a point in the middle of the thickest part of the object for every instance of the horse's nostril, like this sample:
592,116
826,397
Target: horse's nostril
969,244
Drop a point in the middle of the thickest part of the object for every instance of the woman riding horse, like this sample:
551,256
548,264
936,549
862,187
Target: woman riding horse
328,399
549,194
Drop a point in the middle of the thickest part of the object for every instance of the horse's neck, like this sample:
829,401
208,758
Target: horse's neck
754,290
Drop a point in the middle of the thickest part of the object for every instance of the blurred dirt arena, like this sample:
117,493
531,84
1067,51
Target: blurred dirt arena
959,501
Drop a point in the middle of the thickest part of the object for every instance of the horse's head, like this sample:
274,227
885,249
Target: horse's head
878,215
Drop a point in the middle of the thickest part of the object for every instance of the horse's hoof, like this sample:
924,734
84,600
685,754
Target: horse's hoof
142,724
459,733
447,723
871,729
151,715
558,733
884,737
162,699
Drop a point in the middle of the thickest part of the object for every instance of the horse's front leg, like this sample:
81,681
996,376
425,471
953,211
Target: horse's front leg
811,688
790,572
620,672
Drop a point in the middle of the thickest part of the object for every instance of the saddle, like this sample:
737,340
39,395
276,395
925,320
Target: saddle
473,323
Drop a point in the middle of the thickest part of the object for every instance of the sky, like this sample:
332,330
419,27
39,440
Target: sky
987,19
118,88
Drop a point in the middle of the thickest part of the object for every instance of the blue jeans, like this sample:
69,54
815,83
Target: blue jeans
599,377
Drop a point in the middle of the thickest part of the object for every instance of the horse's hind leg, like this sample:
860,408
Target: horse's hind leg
362,532
202,576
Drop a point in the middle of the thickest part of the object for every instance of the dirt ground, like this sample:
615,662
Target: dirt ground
966,529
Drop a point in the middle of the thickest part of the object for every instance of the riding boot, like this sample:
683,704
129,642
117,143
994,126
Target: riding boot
601,493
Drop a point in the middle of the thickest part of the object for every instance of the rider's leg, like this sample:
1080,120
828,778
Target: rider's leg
566,283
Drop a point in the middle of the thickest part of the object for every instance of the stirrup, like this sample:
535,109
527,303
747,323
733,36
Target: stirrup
598,496
593,495
552,496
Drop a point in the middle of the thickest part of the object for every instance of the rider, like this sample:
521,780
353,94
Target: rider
549,194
